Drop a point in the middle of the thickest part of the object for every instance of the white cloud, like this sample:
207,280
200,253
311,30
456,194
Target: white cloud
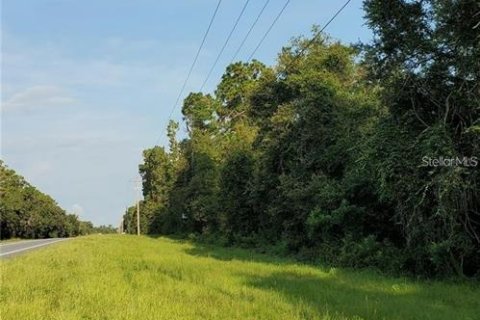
109,65
38,97
84,155
64,141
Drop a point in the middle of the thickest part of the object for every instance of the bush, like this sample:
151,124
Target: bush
368,252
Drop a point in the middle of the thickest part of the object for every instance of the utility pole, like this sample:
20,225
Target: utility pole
120,227
138,187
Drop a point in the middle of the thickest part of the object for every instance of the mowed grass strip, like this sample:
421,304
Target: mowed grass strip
129,277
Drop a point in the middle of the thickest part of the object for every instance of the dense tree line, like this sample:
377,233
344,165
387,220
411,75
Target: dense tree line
103,229
323,155
26,212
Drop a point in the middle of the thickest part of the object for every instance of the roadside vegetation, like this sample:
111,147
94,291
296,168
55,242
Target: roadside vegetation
28,213
323,155
131,277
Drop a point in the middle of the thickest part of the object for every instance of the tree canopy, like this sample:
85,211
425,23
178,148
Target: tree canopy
321,155
26,212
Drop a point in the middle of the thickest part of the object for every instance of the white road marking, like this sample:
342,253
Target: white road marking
28,248
21,241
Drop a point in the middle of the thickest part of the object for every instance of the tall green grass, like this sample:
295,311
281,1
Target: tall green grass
128,277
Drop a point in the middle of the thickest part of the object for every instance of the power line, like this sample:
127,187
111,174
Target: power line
262,39
224,45
191,67
250,30
323,28
269,29
195,60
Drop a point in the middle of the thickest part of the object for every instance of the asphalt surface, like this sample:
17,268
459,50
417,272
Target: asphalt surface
11,249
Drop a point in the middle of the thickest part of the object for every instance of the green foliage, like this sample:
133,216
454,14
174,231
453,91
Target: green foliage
235,179
25,212
322,156
426,56
103,229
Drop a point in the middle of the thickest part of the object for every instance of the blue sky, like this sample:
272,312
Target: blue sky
87,85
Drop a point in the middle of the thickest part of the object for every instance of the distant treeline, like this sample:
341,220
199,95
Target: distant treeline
327,154
104,229
25,212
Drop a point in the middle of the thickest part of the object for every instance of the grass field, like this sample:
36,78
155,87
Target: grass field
128,277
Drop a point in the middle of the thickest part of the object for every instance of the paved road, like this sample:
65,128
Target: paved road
11,249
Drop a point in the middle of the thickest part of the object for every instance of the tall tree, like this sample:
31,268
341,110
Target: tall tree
426,55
